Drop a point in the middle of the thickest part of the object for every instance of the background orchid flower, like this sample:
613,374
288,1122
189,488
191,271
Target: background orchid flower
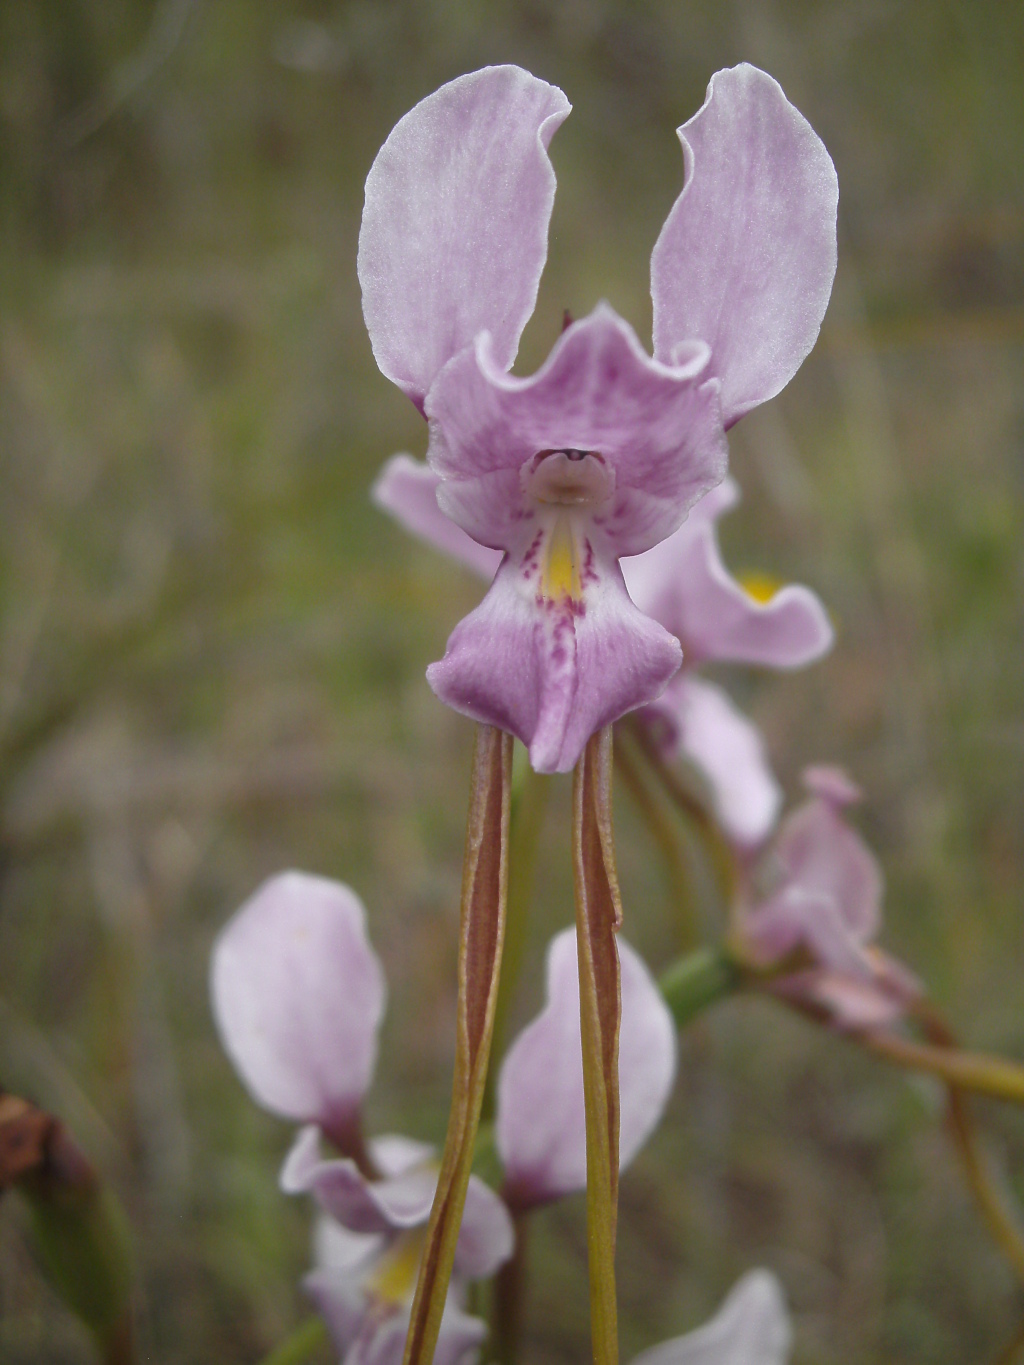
751,1328
298,995
362,1286
540,1128
600,454
826,901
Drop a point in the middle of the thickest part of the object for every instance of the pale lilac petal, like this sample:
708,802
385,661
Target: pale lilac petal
407,489
747,255
699,720
751,1328
794,918
683,583
486,1237
540,1128
852,1004
342,1260
455,224
359,1204
554,672
400,1199
820,854
298,994
656,427
832,784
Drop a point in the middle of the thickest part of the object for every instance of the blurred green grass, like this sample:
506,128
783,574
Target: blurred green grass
212,647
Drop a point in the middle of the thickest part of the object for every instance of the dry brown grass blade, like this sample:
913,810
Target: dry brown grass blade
481,934
598,918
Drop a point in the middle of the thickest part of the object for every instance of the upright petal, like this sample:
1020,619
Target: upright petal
540,1125
750,1328
747,255
298,994
728,749
683,583
553,672
455,224
407,489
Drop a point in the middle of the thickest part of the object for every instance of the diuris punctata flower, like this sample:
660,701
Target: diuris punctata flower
601,453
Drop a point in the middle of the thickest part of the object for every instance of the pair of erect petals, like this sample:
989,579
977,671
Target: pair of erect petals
451,250
298,995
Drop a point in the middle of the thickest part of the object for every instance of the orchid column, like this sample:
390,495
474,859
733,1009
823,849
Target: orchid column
597,456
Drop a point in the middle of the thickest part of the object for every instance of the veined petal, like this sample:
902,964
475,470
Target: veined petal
683,583
540,1128
750,1328
553,671
656,428
407,489
728,748
747,255
298,994
455,224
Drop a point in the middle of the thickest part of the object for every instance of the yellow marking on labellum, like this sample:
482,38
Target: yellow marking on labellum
561,574
394,1279
762,587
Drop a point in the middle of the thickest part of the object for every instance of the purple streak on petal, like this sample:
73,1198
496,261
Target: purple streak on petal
657,427
540,1128
747,255
832,784
751,1328
298,994
554,672
407,490
819,854
683,583
455,225
727,748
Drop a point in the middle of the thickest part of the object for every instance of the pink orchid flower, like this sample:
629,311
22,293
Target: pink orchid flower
826,900
600,454
298,996
684,586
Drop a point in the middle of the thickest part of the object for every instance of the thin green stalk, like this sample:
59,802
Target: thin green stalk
299,1345
695,982
680,883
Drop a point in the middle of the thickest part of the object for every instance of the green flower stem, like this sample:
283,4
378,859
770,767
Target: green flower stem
704,825
695,982
680,882
299,1345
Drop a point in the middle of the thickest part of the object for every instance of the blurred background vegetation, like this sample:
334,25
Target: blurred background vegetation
212,646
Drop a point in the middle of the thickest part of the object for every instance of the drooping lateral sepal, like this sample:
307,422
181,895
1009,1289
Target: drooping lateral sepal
481,936
598,918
